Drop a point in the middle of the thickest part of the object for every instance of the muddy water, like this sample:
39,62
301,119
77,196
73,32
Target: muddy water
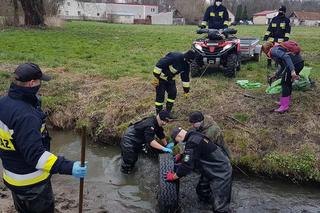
107,190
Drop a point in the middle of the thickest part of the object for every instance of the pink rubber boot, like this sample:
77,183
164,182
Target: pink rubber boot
284,105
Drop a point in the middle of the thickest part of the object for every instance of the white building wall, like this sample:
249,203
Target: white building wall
162,18
259,19
73,9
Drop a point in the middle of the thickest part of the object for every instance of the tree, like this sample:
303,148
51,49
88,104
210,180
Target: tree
33,12
239,13
244,15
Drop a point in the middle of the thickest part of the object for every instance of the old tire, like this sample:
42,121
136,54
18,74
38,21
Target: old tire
168,198
231,66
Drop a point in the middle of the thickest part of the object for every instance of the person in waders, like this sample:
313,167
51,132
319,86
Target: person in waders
27,161
287,54
204,156
207,126
164,75
141,133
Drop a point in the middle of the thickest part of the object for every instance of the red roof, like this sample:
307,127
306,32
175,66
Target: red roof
306,15
264,13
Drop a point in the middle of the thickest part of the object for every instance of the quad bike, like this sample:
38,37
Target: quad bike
219,49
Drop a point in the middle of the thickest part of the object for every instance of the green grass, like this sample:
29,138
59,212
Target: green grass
262,142
120,50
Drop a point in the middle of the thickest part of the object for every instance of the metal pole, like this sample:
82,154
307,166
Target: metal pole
82,159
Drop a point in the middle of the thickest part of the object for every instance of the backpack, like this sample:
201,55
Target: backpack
291,46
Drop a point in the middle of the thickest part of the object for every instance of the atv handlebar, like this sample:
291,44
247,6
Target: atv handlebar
226,31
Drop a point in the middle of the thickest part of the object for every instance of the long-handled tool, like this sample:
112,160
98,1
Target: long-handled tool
82,159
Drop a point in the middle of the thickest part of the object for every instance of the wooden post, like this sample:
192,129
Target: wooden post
83,153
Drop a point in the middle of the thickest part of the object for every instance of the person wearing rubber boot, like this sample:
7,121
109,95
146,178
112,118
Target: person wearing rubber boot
25,153
207,126
202,155
290,66
144,132
278,30
216,16
165,71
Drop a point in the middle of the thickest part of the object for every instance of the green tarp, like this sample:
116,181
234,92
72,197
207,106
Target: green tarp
248,85
302,84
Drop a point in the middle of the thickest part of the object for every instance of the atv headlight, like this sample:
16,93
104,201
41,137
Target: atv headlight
226,47
198,47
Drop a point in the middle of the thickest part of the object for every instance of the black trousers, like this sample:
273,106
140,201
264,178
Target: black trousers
217,188
286,81
130,148
38,199
161,89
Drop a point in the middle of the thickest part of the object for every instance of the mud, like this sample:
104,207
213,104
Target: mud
108,190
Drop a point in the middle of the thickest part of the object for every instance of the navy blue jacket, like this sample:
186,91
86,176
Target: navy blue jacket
279,29
216,17
25,142
148,128
171,65
286,59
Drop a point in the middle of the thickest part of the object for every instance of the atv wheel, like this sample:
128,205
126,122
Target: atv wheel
256,57
168,197
195,69
231,67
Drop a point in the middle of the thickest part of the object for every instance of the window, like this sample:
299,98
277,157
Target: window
68,3
98,14
153,10
67,13
79,13
59,11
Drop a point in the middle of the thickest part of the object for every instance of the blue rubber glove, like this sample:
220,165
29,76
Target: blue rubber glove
170,145
167,150
78,171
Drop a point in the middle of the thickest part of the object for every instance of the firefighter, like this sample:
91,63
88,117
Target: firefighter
216,16
25,145
141,133
203,155
290,66
207,126
279,29
165,71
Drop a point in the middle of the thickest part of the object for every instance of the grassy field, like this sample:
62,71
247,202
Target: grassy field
101,76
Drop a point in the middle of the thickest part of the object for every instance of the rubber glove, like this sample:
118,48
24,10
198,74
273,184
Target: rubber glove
167,150
177,158
155,82
78,171
171,176
170,145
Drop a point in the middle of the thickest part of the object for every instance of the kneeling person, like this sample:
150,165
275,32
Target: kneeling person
214,166
140,133
207,126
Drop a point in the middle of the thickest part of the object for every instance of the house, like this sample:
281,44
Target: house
264,17
168,18
305,18
112,12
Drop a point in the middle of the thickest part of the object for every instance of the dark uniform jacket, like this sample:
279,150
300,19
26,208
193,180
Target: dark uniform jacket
279,29
25,142
199,154
147,129
216,17
171,65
